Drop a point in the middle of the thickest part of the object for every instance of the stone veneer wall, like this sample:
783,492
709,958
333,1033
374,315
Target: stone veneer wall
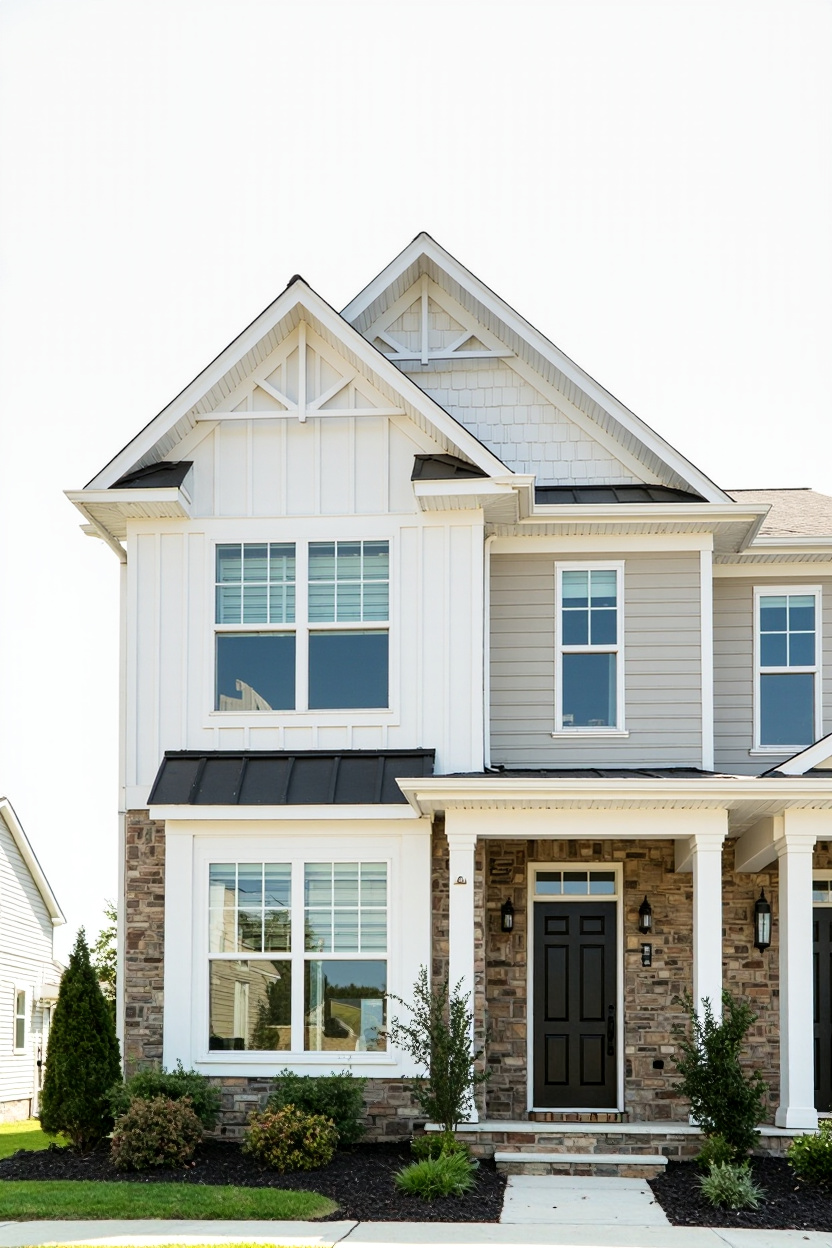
144,899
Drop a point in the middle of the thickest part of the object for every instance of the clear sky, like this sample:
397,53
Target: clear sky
647,181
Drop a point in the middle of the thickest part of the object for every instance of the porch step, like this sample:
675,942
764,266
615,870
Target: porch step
620,1165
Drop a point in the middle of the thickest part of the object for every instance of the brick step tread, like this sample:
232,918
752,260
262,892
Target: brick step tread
593,1159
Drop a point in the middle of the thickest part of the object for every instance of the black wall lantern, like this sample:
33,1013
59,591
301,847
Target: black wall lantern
507,916
645,917
762,921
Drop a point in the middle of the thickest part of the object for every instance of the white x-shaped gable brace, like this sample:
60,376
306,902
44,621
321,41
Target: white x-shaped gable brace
426,324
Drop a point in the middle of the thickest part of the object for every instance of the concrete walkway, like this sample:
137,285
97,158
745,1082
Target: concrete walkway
395,1234
543,1199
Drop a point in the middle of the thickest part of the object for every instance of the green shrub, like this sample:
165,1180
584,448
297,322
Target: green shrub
423,1146
289,1139
724,1100
449,1174
338,1097
155,1132
715,1150
810,1156
83,1060
438,1038
731,1186
173,1085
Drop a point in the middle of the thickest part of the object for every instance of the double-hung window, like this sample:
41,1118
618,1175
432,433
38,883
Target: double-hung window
302,626
787,645
589,648
20,1020
307,978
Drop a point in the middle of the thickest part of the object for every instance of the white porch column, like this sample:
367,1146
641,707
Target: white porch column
797,1062
461,843
706,861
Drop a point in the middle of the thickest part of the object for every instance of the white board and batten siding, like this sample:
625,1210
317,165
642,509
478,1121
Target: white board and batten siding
283,480
734,669
25,963
662,665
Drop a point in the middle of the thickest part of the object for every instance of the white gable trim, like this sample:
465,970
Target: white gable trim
818,755
21,840
303,303
424,245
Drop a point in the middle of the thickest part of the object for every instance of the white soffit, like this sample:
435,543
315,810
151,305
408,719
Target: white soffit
208,395
425,256
21,840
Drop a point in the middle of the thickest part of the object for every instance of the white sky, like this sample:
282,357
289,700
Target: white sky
647,181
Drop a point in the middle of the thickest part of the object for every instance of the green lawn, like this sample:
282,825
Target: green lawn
26,1134
34,1198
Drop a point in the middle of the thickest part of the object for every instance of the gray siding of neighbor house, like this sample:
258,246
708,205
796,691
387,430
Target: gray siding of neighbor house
662,664
734,669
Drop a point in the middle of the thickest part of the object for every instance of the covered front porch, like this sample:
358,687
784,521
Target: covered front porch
574,1005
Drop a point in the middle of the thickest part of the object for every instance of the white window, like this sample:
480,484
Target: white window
308,979
787,703
589,668
302,626
20,1019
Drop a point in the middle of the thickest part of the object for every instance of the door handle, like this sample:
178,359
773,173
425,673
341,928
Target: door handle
611,1032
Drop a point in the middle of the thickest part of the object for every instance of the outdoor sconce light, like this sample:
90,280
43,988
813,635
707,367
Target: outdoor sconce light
645,917
507,916
762,921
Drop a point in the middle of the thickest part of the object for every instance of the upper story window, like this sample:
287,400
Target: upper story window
589,650
302,626
787,645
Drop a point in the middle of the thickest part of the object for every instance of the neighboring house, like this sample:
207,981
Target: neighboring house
29,974
434,653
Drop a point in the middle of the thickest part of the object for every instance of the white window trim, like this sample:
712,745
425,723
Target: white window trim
302,716
19,988
821,873
619,729
768,591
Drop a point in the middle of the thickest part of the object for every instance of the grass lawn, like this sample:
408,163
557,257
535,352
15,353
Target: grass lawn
62,1198
26,1134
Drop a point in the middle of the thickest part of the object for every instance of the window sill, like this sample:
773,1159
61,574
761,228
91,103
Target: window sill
776,751
227,1057
588,734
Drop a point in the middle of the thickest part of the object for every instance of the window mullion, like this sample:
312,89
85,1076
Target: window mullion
297,956
302,626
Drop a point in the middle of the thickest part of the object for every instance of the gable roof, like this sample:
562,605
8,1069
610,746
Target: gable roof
21,840
815,758
425,256
206,393
797,512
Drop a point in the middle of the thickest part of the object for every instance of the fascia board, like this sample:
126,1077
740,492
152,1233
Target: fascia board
546,512
800,763
257,814
423,244
464,488
791,543
21,840
156,494
298,295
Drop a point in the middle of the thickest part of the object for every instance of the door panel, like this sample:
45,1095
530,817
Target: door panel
575,1059
822,969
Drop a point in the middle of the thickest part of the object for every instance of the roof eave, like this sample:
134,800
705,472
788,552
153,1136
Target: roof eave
7,812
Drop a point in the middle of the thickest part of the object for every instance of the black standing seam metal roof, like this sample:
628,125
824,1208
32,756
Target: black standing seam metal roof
154,475
278,778
565,494
443,468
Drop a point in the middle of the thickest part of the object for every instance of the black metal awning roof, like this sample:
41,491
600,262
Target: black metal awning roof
154,475
443,468
278,778
588,494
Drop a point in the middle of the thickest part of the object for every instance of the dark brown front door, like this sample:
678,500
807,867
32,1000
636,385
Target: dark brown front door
822,953
575,1034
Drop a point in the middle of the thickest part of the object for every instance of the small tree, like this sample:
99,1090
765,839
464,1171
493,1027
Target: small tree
104,956
82,1062
438,1038
724,1100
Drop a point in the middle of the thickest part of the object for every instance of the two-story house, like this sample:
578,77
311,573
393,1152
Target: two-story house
433,653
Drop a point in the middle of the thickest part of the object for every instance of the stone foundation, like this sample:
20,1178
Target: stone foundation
15,1111
390,1111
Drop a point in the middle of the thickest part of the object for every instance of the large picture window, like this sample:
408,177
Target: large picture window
311,980
787,645
302,626
588,648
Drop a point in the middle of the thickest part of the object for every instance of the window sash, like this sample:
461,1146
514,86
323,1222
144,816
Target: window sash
764,691
595,605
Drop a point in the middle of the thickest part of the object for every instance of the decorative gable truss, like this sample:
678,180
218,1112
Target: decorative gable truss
426,325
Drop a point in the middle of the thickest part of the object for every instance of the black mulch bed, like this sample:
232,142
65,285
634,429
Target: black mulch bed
787,1204
360,1180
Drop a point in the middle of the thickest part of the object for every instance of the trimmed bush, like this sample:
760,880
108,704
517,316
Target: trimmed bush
155,1132
172,1085
715,1150
724,1099
449,1174
810,1156
83,1060
338,1097
731,1187
289,1139
423,1146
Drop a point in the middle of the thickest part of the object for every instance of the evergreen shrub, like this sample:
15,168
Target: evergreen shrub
423,1146
289,1139
155,1132
173,1085
810,1156
82,1061
449,1174
716,1149
338,1097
